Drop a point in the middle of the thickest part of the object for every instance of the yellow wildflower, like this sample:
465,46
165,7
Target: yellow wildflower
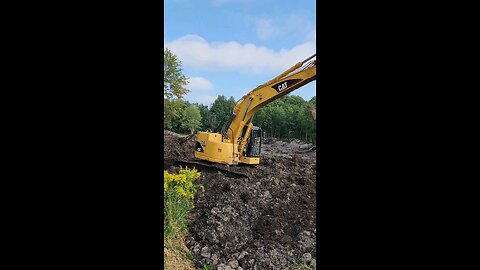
181,191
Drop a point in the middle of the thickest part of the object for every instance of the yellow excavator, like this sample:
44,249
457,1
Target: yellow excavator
240,141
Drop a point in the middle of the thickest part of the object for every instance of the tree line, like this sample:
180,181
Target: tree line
285,118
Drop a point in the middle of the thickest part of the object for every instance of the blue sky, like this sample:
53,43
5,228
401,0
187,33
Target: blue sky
229,47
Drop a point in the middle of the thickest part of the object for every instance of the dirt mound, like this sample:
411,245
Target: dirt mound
263,221
274,147
176,147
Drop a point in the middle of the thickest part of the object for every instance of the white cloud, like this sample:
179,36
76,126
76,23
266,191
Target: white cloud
206,99
199,83
200,91
195,52
265,29
201,99
293,25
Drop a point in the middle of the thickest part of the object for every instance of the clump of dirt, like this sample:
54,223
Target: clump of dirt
263,221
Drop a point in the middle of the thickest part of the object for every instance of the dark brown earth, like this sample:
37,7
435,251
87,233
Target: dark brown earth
262,220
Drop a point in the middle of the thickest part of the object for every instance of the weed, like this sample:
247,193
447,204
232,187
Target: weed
187,254
178,191
206,267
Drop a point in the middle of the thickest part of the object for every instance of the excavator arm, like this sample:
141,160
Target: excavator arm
295,77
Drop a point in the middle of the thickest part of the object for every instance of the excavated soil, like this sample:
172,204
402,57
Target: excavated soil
262,220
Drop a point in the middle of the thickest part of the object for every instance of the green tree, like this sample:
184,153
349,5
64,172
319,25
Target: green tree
204,112
288,117
171,113
231,102
192,119
212,121
278,120
174,88
177,121
174,82
221,111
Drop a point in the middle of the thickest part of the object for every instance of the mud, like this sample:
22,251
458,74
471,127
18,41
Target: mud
263,221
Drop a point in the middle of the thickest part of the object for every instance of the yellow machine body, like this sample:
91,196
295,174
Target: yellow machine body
210,146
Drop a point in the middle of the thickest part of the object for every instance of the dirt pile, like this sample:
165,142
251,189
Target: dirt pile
176,147
274,147
263,221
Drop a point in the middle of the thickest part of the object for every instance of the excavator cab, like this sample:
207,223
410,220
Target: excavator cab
254,145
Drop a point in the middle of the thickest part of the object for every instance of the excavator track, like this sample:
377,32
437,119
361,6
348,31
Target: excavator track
212,167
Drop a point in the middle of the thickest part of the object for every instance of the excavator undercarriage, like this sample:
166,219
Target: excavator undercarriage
229,171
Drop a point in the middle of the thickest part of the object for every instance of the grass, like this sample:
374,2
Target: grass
301,267
175,257
178,191
206,267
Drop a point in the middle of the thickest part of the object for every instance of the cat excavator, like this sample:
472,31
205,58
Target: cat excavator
240,141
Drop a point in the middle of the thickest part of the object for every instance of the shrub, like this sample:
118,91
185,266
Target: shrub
178,191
